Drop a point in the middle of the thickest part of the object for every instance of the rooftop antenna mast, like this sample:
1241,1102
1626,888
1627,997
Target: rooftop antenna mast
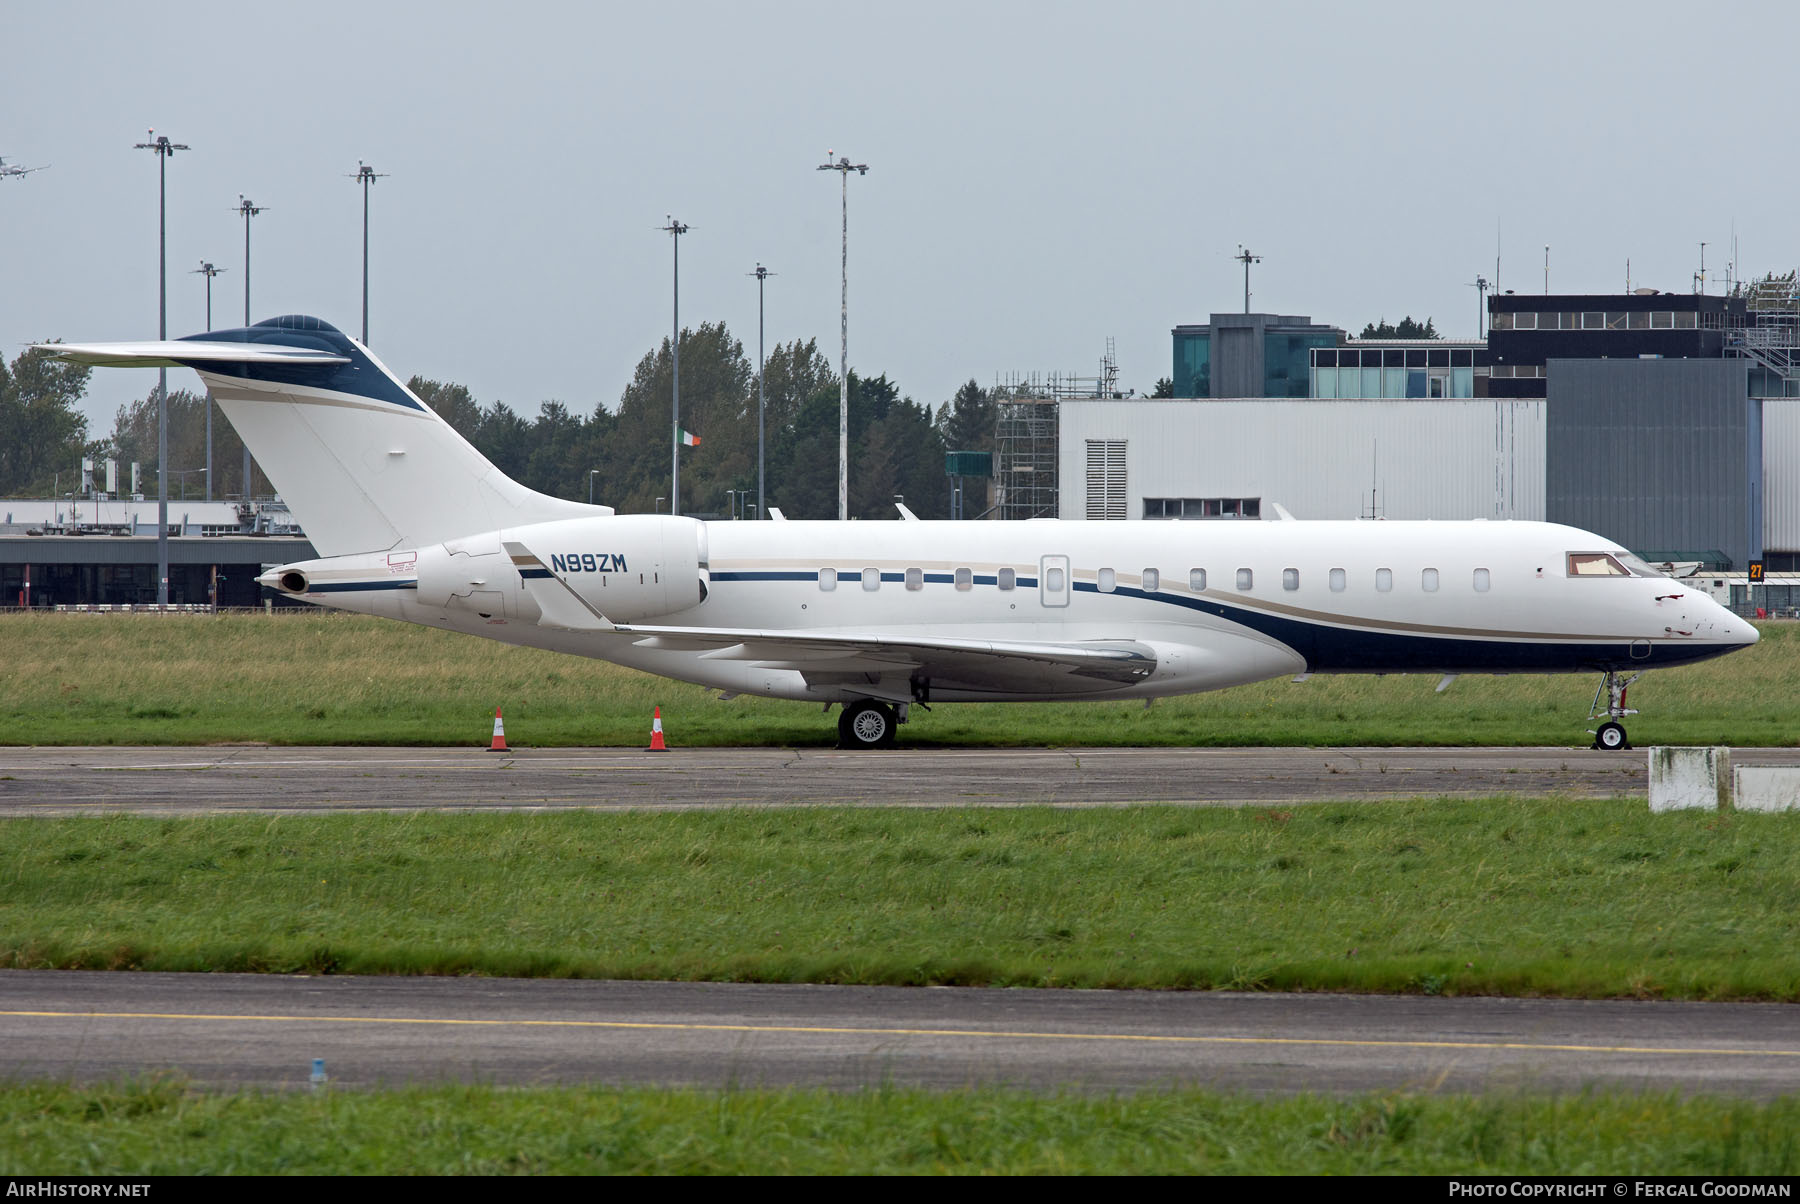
1246,258
1700,276
1481,286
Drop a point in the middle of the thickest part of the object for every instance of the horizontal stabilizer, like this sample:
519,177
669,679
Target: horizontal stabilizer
181,353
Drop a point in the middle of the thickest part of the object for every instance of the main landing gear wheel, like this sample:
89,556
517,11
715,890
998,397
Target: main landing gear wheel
866,724
1610,736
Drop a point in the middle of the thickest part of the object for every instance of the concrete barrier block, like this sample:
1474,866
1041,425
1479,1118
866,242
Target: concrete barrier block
1766,788
1690,779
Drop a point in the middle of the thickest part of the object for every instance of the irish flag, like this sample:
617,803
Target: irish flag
688,439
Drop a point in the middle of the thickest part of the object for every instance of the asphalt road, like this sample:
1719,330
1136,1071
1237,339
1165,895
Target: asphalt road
210,780
246,1029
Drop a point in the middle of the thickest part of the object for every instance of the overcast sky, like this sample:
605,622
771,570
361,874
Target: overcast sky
1043,176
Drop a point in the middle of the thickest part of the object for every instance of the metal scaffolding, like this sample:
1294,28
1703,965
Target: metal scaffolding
1026,425
1771,338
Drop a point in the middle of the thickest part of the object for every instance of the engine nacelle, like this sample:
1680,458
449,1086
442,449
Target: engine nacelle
626,567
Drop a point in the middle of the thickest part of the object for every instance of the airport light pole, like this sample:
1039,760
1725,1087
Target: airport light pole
366,175
592,473
209,271
249,209
184,474
163,149
761,273
844,167
675,230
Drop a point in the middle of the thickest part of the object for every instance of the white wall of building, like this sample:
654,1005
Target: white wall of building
1781,474
1479,458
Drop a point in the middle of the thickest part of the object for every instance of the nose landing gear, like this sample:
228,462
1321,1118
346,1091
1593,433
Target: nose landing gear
1610,736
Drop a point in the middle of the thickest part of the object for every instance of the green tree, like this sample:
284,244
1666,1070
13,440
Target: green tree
1165,387
718,405
792,374
1407,329
41,431
134,441
453,404
967,420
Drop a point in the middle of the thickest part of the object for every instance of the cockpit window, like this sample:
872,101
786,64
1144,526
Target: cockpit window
1595,564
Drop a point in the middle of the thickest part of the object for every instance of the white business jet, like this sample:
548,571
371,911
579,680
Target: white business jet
412,523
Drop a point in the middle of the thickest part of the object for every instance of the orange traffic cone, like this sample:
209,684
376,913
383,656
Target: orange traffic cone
499,744
656,739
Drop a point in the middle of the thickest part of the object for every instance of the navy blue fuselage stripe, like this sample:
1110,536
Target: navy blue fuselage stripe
854,574
353,587
360,377
536,574
1328,649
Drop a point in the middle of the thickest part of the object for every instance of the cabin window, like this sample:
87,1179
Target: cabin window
1152,581
965,579
828,579
1109,581
871,579
1428,581
1481,581
1196,579
1384,580
1245,579
1336,580
1006,578
1290,578
915,578
1053,580
1595,564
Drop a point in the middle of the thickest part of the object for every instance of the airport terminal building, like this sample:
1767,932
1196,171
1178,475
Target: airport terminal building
1668,422
98,551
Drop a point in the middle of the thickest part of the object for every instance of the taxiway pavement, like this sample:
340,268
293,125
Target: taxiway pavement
264,1030
210,780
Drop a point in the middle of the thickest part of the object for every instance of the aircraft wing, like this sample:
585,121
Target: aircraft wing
180,353
998,666
860,662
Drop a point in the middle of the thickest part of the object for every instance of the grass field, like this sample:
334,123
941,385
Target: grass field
162,1129
1508,896
340,679
1516,897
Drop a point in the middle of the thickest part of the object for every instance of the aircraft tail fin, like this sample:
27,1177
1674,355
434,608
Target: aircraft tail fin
362,462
